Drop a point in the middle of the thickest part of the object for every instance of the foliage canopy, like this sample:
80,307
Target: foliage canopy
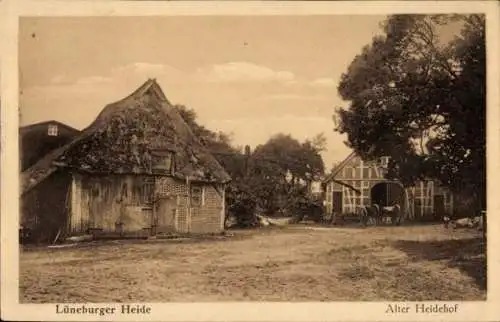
421,100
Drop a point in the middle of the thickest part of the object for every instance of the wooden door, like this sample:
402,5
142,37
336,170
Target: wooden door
166,215
94,207
337,202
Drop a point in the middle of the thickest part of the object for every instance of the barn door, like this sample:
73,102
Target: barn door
394,194
166,215
337,202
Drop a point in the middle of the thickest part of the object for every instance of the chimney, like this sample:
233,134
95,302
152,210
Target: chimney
247,158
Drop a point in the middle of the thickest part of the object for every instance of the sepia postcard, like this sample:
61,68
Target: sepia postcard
249,161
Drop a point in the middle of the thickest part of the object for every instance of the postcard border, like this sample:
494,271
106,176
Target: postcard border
240,311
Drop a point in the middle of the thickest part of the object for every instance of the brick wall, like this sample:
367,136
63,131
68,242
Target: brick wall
170,186
208,218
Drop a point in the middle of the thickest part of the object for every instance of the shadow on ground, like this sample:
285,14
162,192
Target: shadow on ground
468,255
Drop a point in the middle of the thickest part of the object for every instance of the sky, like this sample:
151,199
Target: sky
251,76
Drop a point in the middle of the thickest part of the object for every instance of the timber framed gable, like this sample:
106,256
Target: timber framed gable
354,179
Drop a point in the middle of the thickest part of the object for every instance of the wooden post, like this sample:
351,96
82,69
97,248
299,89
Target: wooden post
414,196
362,188
422,198
223,211
76,210
188,203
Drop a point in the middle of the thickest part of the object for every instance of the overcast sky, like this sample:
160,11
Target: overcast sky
250,76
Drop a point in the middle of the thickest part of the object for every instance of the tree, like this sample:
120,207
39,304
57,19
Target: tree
282,169
421,101
275,177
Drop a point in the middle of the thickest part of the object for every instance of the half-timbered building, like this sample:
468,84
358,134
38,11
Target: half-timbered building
355,182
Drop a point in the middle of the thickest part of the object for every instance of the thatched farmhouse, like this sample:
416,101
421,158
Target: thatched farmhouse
356,182
36,140
137,170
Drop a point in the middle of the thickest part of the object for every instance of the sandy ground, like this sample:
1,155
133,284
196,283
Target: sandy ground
297,263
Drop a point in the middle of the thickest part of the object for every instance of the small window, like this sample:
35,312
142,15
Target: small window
197,196
148,188
52,130
162,162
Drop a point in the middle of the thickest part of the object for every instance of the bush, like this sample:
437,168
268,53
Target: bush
306,207
241,205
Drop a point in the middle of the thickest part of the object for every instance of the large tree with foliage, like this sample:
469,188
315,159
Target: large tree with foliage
275,177
421,100
282,169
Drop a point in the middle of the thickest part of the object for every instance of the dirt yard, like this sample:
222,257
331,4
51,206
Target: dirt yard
298,263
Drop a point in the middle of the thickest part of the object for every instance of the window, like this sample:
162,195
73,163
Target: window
148,188
162,161
52,130
197,196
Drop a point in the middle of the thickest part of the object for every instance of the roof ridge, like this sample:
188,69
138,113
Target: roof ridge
143,88
45,166
26,127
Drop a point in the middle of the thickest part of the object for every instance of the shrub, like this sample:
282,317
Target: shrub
306,207
241,204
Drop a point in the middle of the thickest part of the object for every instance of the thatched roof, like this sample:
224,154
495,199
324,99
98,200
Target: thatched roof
125,138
